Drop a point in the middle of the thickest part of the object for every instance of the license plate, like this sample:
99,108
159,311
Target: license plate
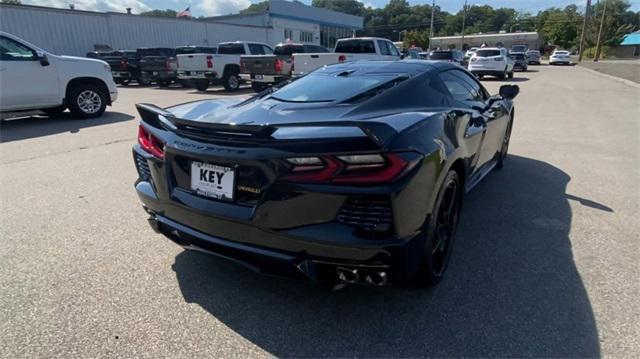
259,77
212,180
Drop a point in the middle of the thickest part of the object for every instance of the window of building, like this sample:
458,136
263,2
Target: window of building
330,34
288,34
306,36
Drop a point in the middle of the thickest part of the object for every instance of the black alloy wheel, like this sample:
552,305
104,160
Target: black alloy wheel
440,231
504,149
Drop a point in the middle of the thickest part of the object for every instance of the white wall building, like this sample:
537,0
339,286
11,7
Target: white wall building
75,32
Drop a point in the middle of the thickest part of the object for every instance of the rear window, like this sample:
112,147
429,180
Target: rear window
440,55
327,88
356,47
487,53
231,49
562,52
520,48
288,50
517,56
157,52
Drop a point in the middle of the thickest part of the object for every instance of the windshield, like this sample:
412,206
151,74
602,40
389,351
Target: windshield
327,88
288,50
356,47
487,53
440,55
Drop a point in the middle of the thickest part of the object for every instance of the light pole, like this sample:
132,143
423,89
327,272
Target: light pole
433,10
584,30
598,44
464,19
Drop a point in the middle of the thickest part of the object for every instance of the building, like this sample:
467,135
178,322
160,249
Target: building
532,39
629,48
76,32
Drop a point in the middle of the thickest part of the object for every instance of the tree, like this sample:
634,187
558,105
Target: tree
417,38
352,7
257,7
11,2
160,13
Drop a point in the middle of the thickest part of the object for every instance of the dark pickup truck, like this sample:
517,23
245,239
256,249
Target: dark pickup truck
157,65
125,65
265,70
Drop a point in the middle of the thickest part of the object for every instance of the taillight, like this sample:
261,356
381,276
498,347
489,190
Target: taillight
167,65
209,61
124,64
150,143
347,169
278,65
342,58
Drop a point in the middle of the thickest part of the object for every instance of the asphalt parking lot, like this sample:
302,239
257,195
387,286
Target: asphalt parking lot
545,264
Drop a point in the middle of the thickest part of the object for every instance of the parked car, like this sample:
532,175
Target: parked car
355,173
412,53
155,66
205,69
349,49
125,65
265,70
560,57
519,48
519,61
453,56
492,61
533,57
469,53
34,79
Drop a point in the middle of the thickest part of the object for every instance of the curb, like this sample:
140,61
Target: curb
615,78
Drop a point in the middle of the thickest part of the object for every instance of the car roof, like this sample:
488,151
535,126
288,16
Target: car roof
490,48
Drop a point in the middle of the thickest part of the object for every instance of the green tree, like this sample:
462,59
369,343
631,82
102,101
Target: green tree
352,7
416,38
257,7
160,13
11,2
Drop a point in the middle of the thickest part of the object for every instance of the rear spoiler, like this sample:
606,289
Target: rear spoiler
378,132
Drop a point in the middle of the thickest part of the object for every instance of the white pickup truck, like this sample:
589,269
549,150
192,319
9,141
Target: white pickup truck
203,70
33,79
349,49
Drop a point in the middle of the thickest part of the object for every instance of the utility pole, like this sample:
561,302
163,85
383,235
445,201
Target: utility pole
584,30
433,10
464,19
598,44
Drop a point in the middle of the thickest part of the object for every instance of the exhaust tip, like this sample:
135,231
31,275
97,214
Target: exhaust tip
376,278
347,275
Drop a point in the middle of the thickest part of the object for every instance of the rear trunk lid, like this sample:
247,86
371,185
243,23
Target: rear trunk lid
194,62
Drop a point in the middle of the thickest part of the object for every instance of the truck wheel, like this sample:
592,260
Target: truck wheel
510,74
202,85
230,80
259,86
144,80
87,101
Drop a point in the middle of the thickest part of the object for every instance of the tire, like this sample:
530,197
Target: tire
54,110
259,86
87,101
440,232
510,74
504,149
480,76
202,85
163,83
230,80
503,75
144,80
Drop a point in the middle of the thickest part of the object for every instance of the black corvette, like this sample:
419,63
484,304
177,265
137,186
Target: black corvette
354,173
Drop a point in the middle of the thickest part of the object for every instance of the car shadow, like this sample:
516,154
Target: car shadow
512,289
32,126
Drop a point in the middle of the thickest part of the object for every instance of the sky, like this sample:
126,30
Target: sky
224,7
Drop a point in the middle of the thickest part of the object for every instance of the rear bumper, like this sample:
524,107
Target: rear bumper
479,72
268,239
162,75
197,75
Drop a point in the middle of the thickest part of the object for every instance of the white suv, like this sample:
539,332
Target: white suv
492,61
32,79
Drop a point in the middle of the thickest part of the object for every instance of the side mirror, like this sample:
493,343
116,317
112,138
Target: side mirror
509,92
44,61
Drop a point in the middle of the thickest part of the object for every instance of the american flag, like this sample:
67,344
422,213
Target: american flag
185,13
